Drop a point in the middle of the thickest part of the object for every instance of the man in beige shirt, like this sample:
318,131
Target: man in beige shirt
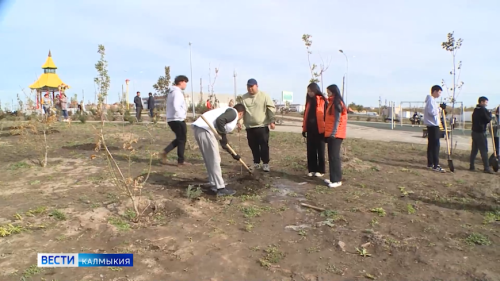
258,118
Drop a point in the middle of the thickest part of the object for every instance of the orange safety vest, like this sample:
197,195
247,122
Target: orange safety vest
330,120
320,115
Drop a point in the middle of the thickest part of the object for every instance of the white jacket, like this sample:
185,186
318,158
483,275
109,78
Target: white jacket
176,105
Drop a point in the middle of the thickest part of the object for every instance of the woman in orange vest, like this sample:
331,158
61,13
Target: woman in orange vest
335,133
313,129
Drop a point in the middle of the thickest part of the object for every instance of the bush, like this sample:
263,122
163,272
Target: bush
126,115
111,115
368,119
82,117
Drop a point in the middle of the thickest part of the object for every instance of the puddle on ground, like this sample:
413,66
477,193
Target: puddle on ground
285,190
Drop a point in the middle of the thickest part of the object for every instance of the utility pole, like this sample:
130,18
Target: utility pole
379,105
210,89
192,91
201,90
234,75
346,73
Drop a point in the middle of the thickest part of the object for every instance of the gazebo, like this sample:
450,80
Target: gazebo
49,81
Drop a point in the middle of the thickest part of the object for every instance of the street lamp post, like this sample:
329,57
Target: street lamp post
128,101
345,75
192,91
234,75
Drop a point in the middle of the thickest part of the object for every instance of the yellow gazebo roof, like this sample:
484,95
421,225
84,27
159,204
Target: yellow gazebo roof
49,63
49,79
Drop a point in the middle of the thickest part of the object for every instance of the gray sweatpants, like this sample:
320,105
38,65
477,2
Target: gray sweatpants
209,147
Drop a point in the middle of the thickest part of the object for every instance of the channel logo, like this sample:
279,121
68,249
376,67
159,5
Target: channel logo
84,260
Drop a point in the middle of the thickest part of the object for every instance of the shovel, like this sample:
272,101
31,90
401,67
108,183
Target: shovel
493,157
450,162
228,147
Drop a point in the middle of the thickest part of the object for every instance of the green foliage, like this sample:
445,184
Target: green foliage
162,86
102,80
58,215
82,117
477,239
306,38
193,192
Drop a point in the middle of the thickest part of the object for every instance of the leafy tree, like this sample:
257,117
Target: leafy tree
452,46
102,80
316,72
162,86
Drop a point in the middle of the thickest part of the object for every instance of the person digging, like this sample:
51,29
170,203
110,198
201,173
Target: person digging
225,121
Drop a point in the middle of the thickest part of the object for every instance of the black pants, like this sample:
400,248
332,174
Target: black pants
479,143
138,111
334,158
151,113
315,152
433,146
258,140
180,130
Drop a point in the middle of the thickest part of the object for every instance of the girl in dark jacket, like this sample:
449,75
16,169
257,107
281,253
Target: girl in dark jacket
335,133
313,129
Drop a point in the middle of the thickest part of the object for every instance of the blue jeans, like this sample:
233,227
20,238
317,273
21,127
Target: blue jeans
65,113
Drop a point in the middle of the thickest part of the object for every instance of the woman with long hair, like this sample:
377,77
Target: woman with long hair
335,133
313,129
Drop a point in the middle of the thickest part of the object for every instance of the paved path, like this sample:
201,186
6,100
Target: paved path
362,132
354,130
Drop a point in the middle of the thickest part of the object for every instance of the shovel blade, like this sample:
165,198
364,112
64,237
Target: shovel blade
450,165
494,162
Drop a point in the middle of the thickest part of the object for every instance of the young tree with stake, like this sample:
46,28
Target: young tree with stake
452,46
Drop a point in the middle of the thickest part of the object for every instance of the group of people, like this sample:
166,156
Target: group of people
481,118
60,103
325,121
139,106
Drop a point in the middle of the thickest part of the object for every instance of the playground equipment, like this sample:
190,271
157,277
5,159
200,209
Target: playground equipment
48,82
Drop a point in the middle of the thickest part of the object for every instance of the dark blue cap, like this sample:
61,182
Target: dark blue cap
251,82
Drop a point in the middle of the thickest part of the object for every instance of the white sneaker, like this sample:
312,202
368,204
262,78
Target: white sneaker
319,175
327,181
256,166
310,174
334,184
265,168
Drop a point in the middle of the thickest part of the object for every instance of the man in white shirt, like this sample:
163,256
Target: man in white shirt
224,120
176,116
431,120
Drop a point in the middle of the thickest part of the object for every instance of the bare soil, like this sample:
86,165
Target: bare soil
391,220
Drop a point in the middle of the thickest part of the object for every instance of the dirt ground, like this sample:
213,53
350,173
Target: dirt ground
391,220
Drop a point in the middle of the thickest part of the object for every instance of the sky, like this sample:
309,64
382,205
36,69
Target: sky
393,47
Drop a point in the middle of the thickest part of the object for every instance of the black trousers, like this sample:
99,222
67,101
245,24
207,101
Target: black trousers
433,146
315,152
258,140
138,111
151,113
180,130
334,145
479,143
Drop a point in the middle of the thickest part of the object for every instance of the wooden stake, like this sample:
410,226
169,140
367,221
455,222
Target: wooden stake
312,207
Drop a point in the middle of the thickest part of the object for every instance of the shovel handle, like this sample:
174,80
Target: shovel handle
228,147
